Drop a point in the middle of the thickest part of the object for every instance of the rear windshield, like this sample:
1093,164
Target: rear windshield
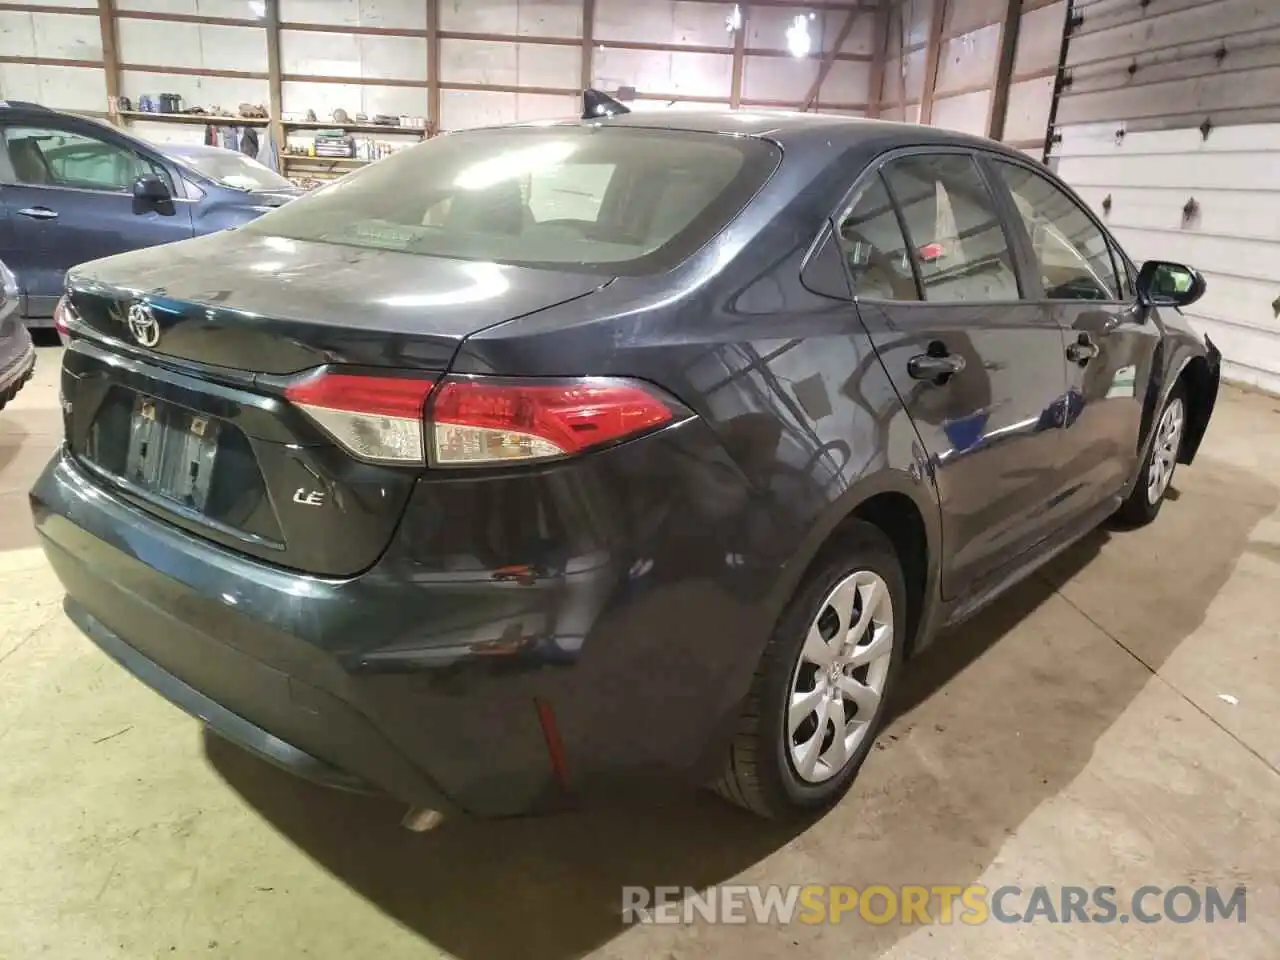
600,199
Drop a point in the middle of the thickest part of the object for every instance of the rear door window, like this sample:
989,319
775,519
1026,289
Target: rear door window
954,230
876,252
608,200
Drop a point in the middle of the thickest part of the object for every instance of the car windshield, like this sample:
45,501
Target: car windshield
236,170
594,198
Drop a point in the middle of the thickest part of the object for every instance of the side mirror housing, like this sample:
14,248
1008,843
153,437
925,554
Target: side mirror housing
152,193
1174,284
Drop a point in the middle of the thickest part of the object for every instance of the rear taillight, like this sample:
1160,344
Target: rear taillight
474,421
488,420
378,419
63,315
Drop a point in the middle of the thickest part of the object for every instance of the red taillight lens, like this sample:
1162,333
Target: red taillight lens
377,418
63,314
491,420
476,420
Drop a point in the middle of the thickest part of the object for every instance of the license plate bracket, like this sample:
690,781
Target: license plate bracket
172,451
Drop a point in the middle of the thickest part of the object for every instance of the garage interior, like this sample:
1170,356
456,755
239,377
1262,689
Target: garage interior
1112,721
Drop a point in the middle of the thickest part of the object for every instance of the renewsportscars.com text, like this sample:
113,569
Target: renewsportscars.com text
935,904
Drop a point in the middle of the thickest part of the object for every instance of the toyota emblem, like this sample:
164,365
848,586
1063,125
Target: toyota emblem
143,325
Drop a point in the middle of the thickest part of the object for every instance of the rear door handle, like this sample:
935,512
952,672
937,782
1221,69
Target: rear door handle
39,213
935,366
1083,350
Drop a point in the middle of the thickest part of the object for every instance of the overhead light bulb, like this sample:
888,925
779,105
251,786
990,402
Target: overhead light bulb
798,40
733,22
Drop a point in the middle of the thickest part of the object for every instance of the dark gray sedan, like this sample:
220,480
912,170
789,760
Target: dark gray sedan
540,465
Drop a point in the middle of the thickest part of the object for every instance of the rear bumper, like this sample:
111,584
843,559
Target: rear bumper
16,365
434,685
226,724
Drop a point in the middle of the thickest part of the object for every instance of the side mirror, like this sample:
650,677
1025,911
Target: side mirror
1163,282
152,193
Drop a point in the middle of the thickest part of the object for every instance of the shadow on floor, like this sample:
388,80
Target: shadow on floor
983,733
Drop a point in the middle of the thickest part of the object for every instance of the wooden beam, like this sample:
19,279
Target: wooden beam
188,18
902,62
933,53
46,8
879,56
999,105
433,65
588,42
275,76
739,57
830,57
110,57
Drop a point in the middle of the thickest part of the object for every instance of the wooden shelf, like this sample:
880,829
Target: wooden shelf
353,127
203,119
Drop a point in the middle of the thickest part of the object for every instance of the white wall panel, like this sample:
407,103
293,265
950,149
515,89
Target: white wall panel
510,64
1027,114
299,96
540,106
460,109
401,14
528,18
225,92
352,55
167,132
967,112
849,81
663,21
240,9
161,43
58,36
963,16
1039,38
688,74
861,38
969,60
778,78
63,88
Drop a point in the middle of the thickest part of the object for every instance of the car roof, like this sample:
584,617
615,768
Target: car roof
797,130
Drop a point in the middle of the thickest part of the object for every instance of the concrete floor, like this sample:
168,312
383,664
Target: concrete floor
1073,734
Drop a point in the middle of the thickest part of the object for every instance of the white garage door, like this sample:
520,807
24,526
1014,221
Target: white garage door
1211,202
1167,121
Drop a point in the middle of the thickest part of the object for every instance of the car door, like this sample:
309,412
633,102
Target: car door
69,197
1111,344
976,365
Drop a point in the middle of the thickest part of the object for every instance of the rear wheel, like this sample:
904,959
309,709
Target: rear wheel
1157,470
818,696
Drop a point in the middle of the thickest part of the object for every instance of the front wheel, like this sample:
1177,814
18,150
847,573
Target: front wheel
818,697
1157,470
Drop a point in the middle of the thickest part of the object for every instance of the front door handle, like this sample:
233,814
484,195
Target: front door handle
935,365
1083,350
39,213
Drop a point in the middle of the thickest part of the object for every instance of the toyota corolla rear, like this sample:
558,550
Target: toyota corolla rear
277,506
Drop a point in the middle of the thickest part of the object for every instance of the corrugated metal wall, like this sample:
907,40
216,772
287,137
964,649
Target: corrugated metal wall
1169,126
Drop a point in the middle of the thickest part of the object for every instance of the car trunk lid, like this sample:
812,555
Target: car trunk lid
194,426
271,305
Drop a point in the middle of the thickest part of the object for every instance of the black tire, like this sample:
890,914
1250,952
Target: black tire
759,774
1139,509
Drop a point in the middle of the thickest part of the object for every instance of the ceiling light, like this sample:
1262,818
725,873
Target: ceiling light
798,40
733,22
